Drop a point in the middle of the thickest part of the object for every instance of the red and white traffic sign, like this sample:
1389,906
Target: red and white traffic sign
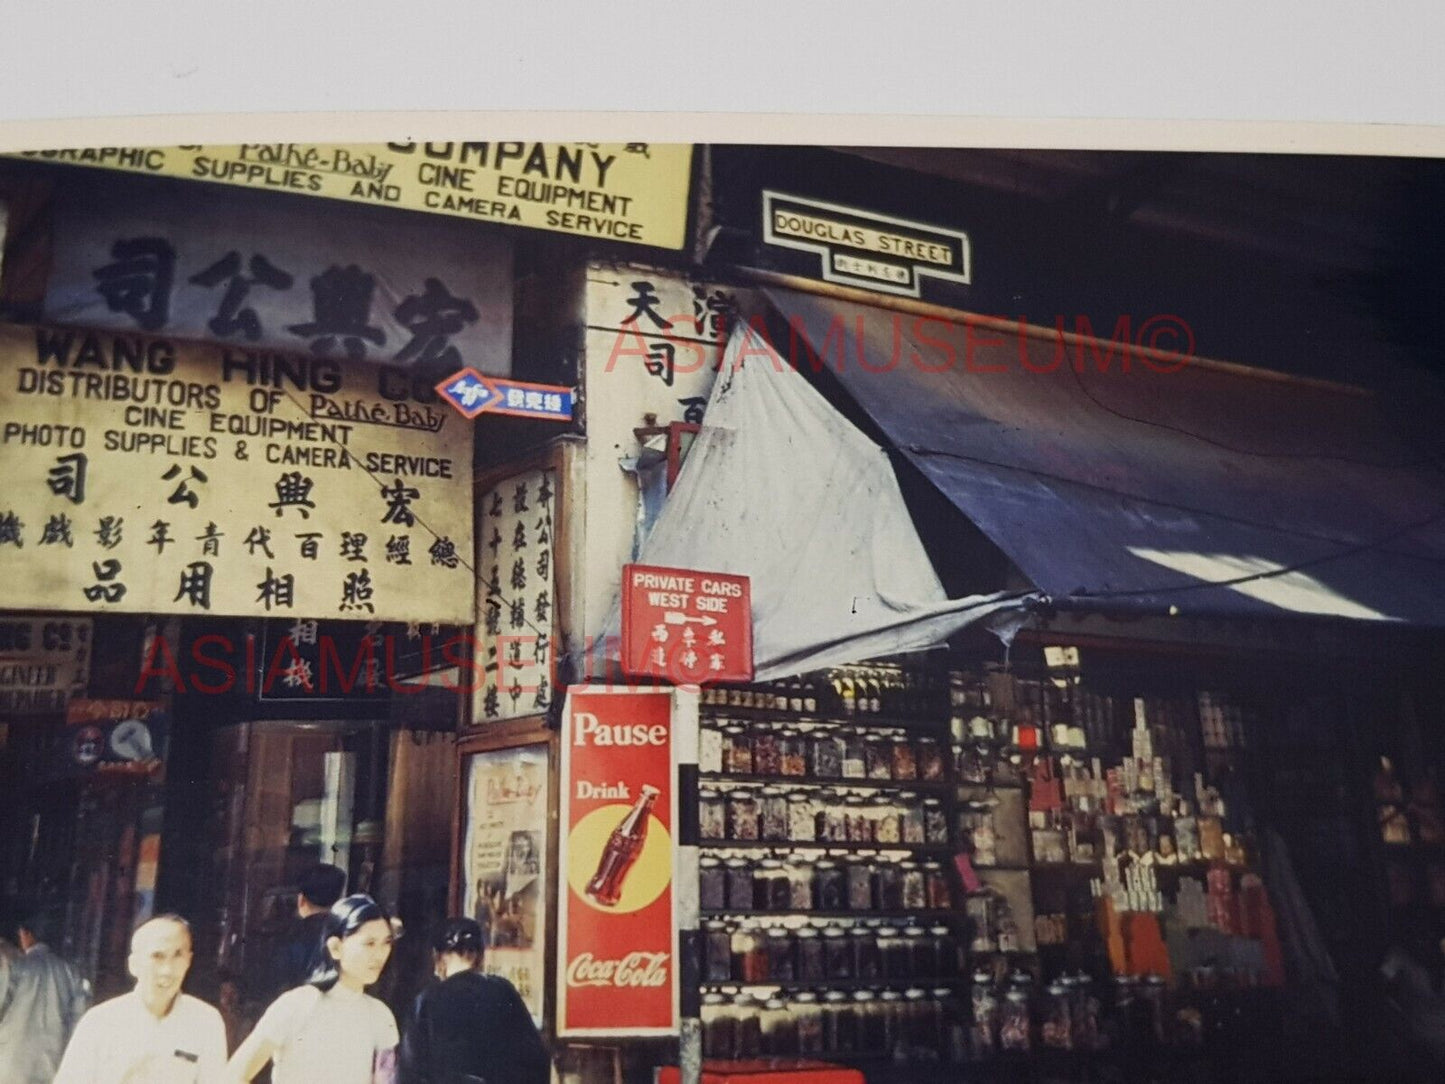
685,626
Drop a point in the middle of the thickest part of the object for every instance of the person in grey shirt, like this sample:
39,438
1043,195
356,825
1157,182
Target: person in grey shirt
46,997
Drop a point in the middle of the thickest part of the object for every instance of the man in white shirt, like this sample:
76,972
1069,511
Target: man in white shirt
155,1034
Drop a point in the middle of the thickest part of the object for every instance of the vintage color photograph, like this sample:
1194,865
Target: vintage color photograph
717,612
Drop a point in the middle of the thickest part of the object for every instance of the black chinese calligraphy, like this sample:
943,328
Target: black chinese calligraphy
357,592
341,306
57,532
138,282
432,318
67,477
110,531
210,540
183,493
398,500
230,317
277,590
11,530
107,587
259,539
398,549
644,301
293,490
353,546
310,545
693,409
160,536
195,586
444,553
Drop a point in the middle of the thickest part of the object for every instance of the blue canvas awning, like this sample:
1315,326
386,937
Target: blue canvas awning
1209,489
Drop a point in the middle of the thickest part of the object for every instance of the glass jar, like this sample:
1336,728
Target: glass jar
855,819
867,963
807,1013
914,829
889,886
1057,1030
922,956
929,753
767,760
829,819
711,885
737,751
717,953
877,758
915,894
859,875
854,766
887,821
711,815
802,827
749,955
890,1004
837,958
871,1034
780,955
952,1029
810,965
893,955
840,1024
918,1011
905,762
770,886
779,1031
748,1042
719,1027
739,877
935,822
1013,1022
792,753
982,911
827,755
983,1034
773,815
830,887
800,886
742,815
936,885
710,750
945,952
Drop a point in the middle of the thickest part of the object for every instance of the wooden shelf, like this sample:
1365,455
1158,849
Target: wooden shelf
924,914
930,849
928,787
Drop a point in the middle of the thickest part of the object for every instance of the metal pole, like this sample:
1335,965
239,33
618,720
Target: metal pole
685,735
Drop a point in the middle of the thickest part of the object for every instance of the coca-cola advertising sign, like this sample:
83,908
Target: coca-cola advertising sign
617,951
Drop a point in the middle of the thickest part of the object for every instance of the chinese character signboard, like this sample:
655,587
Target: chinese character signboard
634,192
44,661
240,267
516,557
148,476
617,930
686,627
113,737
503,864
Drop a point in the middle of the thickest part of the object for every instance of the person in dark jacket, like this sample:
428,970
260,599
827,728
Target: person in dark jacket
470,1027
301,953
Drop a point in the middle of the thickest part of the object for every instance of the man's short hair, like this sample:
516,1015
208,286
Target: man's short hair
323,885
169,916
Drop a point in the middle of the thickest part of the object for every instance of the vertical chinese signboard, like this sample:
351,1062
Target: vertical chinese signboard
516,597
503,862
617,929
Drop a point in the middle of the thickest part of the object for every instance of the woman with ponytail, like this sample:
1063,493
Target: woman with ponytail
329,1031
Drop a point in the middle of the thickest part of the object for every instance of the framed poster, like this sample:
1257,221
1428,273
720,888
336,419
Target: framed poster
504,862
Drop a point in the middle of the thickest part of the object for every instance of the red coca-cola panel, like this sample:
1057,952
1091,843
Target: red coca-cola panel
686,627
617,941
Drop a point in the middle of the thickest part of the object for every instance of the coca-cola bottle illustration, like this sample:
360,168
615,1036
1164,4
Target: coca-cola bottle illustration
623,847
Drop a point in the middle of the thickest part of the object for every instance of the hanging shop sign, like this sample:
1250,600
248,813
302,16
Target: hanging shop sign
686,627
634,192
240,267
44,661
516,598
504,859
617,942
113,737
862,248
149,476
471,394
